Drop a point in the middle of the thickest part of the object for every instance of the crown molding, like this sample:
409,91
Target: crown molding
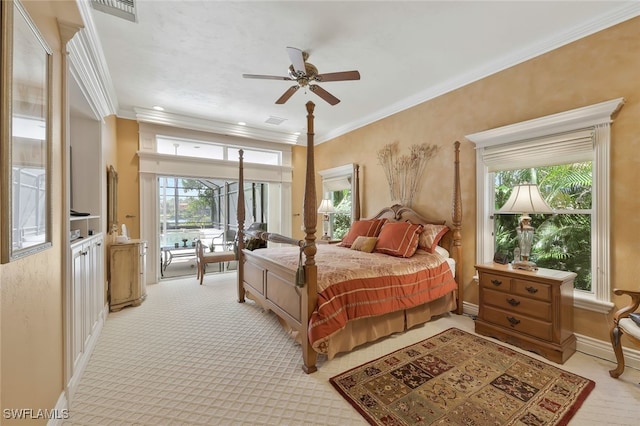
575,119
212,126
89,66
628,11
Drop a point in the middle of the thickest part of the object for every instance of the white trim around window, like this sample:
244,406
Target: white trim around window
594,119
341,177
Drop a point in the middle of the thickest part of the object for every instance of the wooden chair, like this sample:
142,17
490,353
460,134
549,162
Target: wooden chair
203,258
623,324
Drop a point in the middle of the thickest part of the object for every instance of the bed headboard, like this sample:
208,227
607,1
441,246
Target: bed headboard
400,213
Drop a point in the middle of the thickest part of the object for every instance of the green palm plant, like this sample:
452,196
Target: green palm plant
562,241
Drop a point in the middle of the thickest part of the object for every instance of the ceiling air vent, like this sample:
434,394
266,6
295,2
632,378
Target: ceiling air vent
275,120
125,9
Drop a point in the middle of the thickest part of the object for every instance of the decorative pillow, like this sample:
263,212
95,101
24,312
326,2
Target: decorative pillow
365,244
398,239
431,236
364,228
441,251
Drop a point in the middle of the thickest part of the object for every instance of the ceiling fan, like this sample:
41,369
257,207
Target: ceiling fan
305,74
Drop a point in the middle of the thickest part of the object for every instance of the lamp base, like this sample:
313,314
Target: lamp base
524,264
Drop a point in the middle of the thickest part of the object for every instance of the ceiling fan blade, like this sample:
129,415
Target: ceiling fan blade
338,76
286,95
266,77
297,60
323,94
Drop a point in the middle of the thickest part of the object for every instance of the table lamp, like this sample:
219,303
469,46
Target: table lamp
326,208
525,198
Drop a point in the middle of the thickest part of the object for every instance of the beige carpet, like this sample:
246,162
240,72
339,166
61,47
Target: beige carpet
192,355
186,267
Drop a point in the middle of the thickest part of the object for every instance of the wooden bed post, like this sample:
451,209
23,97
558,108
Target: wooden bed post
241,217
457,228
310,295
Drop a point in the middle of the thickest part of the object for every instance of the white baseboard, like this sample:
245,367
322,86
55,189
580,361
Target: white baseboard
470,309
60,411
603,349
84,358
585,344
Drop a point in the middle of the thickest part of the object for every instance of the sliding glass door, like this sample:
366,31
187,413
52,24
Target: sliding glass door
206,209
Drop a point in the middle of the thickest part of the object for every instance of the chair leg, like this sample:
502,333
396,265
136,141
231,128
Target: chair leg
617,349
202,265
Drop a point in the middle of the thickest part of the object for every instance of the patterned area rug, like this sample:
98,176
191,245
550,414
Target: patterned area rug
457,378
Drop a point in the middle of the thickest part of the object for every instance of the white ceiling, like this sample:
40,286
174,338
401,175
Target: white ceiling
189,56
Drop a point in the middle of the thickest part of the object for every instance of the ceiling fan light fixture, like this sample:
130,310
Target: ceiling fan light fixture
304,74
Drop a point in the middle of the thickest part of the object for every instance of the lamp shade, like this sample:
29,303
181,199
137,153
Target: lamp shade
326,207
525,198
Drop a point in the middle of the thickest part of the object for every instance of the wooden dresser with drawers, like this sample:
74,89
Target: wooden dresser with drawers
529,309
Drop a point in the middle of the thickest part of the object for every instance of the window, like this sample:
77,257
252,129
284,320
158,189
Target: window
203,149
574,139
254,156
562,241
338,185
186,203
189,148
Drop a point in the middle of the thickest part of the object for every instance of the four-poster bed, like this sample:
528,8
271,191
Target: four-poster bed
311,287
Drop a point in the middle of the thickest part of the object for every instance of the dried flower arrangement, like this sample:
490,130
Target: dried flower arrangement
404,172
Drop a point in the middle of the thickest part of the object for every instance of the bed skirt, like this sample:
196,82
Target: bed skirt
364,330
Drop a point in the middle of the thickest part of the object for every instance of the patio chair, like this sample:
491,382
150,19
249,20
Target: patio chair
228,239
251,243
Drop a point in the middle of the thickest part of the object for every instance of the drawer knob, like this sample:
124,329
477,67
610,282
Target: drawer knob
513,321
496,282
513,302
531,290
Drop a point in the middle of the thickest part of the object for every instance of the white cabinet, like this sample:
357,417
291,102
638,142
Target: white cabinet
85,298
127,265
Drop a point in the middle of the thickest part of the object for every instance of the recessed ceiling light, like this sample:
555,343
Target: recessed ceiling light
158,108
242,123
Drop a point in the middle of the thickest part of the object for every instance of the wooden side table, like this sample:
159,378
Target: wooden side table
529,309
127,278
321,241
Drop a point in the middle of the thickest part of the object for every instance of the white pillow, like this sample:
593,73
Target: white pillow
442,251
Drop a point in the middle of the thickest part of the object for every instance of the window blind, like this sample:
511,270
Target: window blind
336,183
565,148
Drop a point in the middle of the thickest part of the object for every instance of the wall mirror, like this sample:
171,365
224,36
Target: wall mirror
112,199
25,123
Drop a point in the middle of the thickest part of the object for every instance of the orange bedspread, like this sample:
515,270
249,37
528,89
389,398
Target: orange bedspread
353,284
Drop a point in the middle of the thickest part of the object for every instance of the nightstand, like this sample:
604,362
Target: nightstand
529,309
321,241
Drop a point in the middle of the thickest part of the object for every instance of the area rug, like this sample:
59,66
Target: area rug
457,378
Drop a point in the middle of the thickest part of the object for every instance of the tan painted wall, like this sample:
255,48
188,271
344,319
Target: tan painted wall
31,340
598,68
128,177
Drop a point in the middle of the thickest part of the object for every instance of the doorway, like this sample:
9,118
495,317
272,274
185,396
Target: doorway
191,209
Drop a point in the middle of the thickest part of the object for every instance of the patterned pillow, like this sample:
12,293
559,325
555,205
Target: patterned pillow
398,239
431,236
365,228
365,244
